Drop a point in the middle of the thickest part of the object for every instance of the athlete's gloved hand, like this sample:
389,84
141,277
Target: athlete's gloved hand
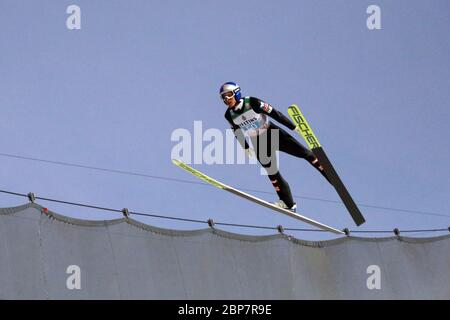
298,130
250,152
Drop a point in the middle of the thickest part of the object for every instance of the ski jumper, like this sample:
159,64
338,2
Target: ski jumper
250,118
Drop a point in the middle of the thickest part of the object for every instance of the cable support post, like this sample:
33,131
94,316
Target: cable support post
280,229
126,213
31,197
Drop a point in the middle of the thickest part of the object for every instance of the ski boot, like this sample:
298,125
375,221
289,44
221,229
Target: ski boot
281,204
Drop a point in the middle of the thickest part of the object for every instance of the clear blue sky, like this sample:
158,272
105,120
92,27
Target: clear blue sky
110,95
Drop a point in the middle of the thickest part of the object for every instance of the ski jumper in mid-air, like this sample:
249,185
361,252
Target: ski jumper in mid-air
249,117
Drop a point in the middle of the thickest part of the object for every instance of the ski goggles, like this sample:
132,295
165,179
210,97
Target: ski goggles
227,96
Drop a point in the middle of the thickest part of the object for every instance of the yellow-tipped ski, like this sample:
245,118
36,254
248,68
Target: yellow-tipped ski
306,132
254,199
305,129
198,174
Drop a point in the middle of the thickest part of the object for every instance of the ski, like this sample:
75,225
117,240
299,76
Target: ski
314,144
254,199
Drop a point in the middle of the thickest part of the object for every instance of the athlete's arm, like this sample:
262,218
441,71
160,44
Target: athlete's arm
260,106
237,132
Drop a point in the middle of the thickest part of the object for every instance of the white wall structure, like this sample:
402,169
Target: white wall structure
50,256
